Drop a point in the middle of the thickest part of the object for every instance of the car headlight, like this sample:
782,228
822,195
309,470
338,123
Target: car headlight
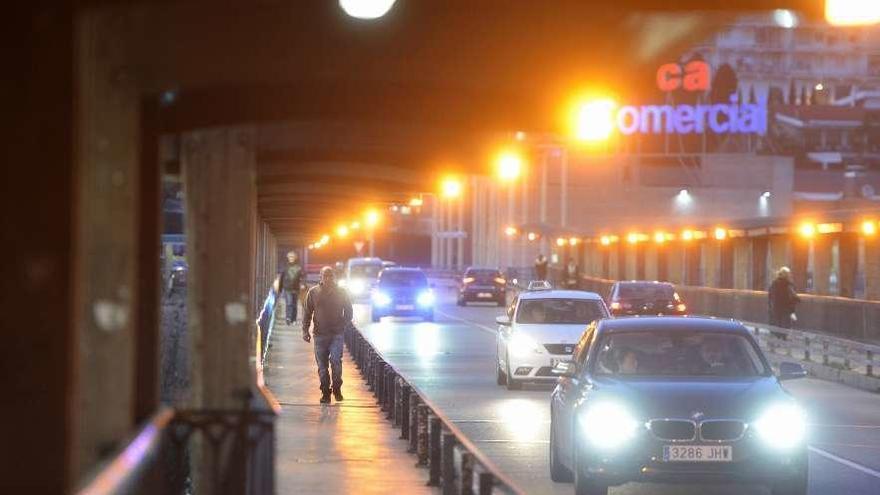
343,283
425,298
357,287
608,425
522,345
782,426
381,298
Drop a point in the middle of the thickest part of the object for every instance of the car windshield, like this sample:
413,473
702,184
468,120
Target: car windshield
481,274
677,353
646,292
559,311
365,270
403,279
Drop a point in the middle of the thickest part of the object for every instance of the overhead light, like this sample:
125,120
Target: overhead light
366,9
785,18
869,227
720,233
765,195
852,12
510,231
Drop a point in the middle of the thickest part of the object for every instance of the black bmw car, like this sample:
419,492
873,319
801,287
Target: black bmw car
676,400
482,285
642,297
402,292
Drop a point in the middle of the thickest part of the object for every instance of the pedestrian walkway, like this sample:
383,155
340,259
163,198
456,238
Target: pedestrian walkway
345,447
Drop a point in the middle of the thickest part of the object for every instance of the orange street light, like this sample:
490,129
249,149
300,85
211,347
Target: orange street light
508,166
572,241
595,120
415,202
632,237
869,228
687,235
324,239
372,217
510,231
605,240
355,225
532,236
342,231
720,233
807,230
659,237
451,187
852,12
560,241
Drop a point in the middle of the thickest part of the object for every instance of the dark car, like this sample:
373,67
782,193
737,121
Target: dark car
402,292
677,400
637,297
482,285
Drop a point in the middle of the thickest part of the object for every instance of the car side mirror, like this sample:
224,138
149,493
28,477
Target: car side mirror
791,371
503,321
564,369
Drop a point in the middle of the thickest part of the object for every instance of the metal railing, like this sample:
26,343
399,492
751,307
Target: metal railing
454,464
834,352
235,447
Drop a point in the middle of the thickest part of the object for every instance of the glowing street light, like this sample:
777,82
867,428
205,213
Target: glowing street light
451,188
372,217
415,202
342,231
560,241
366,9
605,240
720,233
508,166
324,239
355,225
807,230
687,235
532,236
510,231
632,238
573,241
595,120
852,12
659,237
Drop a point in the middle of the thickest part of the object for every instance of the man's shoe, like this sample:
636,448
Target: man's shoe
325,398
337,395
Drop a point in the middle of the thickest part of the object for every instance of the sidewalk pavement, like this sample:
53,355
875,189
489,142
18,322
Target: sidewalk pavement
345,447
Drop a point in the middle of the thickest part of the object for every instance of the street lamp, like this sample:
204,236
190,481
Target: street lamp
342,231
508,166
852,12
594,120
366,9
451,187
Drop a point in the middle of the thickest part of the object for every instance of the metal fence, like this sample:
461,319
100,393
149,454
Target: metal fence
453,462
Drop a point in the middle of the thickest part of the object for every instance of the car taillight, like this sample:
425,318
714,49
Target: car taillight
500,281
615,305
681,307
468,280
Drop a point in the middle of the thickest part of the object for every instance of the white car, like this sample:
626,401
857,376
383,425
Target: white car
360,277
542,328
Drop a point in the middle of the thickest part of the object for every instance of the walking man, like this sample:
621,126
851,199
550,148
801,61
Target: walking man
291,281
541,267
782,299
329,307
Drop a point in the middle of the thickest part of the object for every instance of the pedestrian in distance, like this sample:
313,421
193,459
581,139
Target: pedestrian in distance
291,282
572,274
541,267
782,299
329,308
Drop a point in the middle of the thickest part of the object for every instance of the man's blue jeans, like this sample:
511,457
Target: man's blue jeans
328,350
291,299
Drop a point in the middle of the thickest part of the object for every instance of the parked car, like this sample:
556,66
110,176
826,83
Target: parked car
402,292
482,285
679,400
541,329
640,297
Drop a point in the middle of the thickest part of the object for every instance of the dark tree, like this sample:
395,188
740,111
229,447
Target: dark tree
723,85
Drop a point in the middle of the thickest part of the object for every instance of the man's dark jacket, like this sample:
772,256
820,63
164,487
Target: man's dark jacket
782,299
291,277
329,307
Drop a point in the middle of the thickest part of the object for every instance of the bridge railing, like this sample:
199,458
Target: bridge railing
454,463
237,444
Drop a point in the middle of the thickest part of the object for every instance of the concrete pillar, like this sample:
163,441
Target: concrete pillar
848,246
760,254
674,254
630,267
616,261
692,263
872,268
822,263
742,263
800,249
639,253
651,262
725,263
711,262
105,291
779,249
606,263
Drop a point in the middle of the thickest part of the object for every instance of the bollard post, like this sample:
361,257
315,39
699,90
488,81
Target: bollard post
405,393
467,474
487,483
379,380
422,444
869,367
448,469
434,451
807,349
395,406
390,382
825,352
413,422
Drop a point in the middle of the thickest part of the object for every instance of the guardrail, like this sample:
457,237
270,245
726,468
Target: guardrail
237,444
452,460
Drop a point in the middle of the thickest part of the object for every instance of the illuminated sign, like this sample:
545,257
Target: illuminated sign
734,117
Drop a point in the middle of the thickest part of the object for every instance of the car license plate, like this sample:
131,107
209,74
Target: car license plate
405,307
697,453
484,294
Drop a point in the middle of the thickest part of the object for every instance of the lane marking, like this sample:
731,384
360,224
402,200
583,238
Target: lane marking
846,462
478,325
